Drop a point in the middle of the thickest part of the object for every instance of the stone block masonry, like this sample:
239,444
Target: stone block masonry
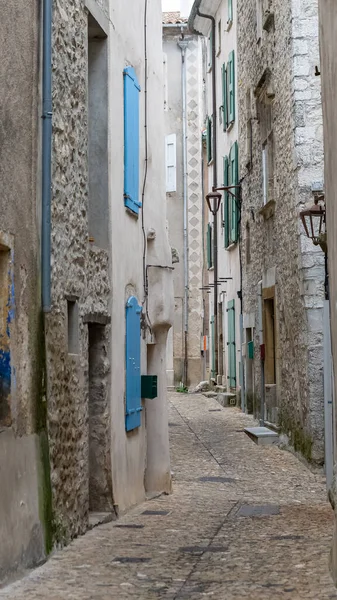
285,58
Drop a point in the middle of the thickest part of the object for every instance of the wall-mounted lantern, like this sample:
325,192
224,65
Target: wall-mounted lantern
313,220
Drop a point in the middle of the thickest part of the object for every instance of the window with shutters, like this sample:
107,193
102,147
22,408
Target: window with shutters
231,203
209,246
131,140
231,344
231,87
209,139
210,50
224,97
267,150
171,162
133,402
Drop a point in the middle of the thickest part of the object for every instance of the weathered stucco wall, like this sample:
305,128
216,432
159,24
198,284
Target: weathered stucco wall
289,51
21,515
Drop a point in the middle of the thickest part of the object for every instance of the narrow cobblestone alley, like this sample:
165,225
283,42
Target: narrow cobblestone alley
206,539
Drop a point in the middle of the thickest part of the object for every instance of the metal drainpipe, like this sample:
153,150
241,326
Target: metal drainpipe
46,155
183,45
215,184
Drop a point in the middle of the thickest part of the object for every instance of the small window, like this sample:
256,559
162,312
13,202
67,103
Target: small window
209,138
73,328
219,36
171,163
231,87
248,255
210,50
267,143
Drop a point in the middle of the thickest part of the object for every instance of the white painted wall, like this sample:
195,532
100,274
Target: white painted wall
228,260
130,459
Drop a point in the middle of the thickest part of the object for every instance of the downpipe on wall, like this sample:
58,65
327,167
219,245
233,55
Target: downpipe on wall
183,46
215,184
46,155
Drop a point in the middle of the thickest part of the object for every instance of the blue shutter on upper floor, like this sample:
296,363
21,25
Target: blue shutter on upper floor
226,202
131,140
132,365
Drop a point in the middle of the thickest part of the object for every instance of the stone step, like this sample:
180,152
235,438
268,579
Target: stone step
226,399
262,436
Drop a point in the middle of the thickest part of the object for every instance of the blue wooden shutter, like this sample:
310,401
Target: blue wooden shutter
132,366
226,203
224,97
131,140
231,87
231,344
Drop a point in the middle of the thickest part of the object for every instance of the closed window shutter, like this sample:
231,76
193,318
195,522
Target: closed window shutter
231,87
230,11
234,180
231,344
133,404
209,138
131,140
213,370
224,97
226,203
209,246
171,163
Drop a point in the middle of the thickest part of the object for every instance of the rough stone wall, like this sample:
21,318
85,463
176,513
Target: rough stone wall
289,51
77,273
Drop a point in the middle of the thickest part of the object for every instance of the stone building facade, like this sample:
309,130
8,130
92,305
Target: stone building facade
79,433
281,166
103,255
183,58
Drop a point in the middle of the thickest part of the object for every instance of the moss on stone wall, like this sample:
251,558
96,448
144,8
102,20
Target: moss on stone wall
298,438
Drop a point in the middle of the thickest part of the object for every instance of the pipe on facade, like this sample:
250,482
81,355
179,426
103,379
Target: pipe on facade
46,155
183,45
215,184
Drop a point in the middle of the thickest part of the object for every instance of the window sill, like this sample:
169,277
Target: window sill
268,210
229,25
230,126
218,53
210,163
210,269
231,246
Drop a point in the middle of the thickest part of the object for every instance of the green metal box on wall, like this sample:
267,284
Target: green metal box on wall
149,386
250,347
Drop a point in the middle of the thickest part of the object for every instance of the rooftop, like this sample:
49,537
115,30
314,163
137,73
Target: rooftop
173,18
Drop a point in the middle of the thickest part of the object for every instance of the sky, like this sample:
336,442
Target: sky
182,5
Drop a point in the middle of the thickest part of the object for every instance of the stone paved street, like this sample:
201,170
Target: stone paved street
199,542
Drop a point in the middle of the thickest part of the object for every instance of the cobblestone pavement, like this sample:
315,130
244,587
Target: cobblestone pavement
202,541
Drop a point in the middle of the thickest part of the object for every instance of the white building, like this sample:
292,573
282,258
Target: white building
222,170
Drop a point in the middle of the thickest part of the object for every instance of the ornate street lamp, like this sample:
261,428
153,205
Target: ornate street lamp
313,220
213,200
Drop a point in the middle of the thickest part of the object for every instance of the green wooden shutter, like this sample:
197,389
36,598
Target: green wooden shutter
234,176
224,97
213,370
209,140
226,207
231,344
231,87
230,11
209,246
